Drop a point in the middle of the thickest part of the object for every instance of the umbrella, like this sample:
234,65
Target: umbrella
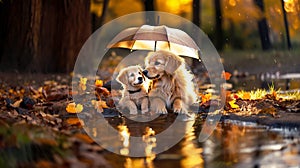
156,38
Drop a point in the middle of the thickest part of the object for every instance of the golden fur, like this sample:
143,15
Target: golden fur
172,82
135,89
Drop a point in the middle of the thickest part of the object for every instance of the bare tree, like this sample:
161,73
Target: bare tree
96,20
149,6
197,12
219,42
263,27
286,26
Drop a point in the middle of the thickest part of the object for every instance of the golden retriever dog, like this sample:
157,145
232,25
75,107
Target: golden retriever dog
172,84
135,89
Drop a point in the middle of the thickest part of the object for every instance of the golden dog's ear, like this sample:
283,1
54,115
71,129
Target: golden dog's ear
122,77
173,62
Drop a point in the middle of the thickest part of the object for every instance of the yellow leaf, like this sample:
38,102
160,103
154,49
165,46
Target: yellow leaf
99,83
103,104
83,81
73,108
233,105
79,108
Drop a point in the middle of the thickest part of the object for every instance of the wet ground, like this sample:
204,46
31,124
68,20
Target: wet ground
232,144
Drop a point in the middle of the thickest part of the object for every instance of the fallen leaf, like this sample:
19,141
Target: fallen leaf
102,91
226,75
73,108
99,83
75,121
205,98
84,138
232,104
82,83
246,96
46,141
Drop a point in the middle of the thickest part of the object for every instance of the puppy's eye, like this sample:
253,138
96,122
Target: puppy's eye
156,63
140,73
131,75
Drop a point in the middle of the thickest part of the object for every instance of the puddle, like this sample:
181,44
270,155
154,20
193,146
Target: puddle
232,144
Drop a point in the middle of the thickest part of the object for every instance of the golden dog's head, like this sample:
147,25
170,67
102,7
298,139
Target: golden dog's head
131,76
161,62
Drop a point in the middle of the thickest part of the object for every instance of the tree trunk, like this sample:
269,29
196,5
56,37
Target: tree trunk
263,28
197,12
43,36
150,18
197,22
99,21
286,26
218,26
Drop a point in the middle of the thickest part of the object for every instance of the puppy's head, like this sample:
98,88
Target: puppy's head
131,76
161,62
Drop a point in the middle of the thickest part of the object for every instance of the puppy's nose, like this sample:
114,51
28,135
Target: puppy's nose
140,78
145,72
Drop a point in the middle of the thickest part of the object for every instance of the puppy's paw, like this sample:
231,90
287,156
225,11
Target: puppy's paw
161,110
145,111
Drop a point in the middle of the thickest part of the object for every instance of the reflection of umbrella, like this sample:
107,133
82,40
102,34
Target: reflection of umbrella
156,38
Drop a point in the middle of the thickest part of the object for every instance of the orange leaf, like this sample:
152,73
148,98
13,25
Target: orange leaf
99,83
84,138
226,75
205,98
246,96
75,121
73,108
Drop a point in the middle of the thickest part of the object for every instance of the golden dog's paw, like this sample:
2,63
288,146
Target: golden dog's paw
162,110
180,110
133,112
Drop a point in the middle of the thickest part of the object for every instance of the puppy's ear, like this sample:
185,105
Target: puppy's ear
146,60
141,72
173,62
122,77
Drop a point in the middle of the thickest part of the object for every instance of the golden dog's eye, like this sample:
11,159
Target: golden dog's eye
131,75
156,63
